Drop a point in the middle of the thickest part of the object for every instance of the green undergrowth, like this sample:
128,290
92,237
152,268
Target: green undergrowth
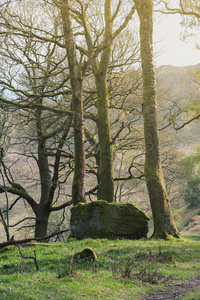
124,270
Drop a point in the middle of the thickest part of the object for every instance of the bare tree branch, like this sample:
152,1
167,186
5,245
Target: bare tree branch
186,123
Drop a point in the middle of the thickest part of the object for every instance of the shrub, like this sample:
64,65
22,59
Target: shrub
192,192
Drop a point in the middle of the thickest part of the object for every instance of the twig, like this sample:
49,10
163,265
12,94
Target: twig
27,257
118,133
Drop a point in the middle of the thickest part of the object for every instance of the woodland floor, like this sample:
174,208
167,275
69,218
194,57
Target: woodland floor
176,290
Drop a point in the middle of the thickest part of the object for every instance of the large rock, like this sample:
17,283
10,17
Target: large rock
100,219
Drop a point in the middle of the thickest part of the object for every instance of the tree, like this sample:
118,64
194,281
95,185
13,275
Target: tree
98,54
75,71
164,224
37,94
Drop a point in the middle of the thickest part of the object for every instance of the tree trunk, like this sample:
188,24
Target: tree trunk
45,178
41,210
79,149
42,217
164,224
4,224
97,158
106,155
103,122
77,104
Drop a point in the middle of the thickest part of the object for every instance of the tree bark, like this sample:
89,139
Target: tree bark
42,217
42,213
4,224
77,104
164,224
100,68
103,122
106,151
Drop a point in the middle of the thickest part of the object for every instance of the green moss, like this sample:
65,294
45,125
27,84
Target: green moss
100,219
5,249
86,254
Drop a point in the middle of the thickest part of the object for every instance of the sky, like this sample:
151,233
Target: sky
168,48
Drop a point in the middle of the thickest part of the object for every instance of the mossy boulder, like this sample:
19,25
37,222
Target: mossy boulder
86,254
100,219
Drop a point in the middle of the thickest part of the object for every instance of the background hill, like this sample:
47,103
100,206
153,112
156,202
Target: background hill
178,81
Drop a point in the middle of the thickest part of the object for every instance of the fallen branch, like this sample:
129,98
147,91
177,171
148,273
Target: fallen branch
24,241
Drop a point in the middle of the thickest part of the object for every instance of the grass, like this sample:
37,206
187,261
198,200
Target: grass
125,269
191,295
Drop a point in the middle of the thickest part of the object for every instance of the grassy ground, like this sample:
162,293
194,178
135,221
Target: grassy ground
124,270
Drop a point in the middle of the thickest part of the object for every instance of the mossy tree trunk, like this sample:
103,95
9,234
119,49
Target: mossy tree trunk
164,224
103,123
105,145
97,158
77,104
98,52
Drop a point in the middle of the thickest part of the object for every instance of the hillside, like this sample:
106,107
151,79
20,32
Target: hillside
139,270
181,89
178,81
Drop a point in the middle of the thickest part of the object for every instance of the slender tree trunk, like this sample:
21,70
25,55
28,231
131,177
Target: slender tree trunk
79,151
4,225
106,151
164,224
100,72
41,210
103,122
44,171
5,222
77,104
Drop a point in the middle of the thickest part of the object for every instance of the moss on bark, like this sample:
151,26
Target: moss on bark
164,224
77,104
106,151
